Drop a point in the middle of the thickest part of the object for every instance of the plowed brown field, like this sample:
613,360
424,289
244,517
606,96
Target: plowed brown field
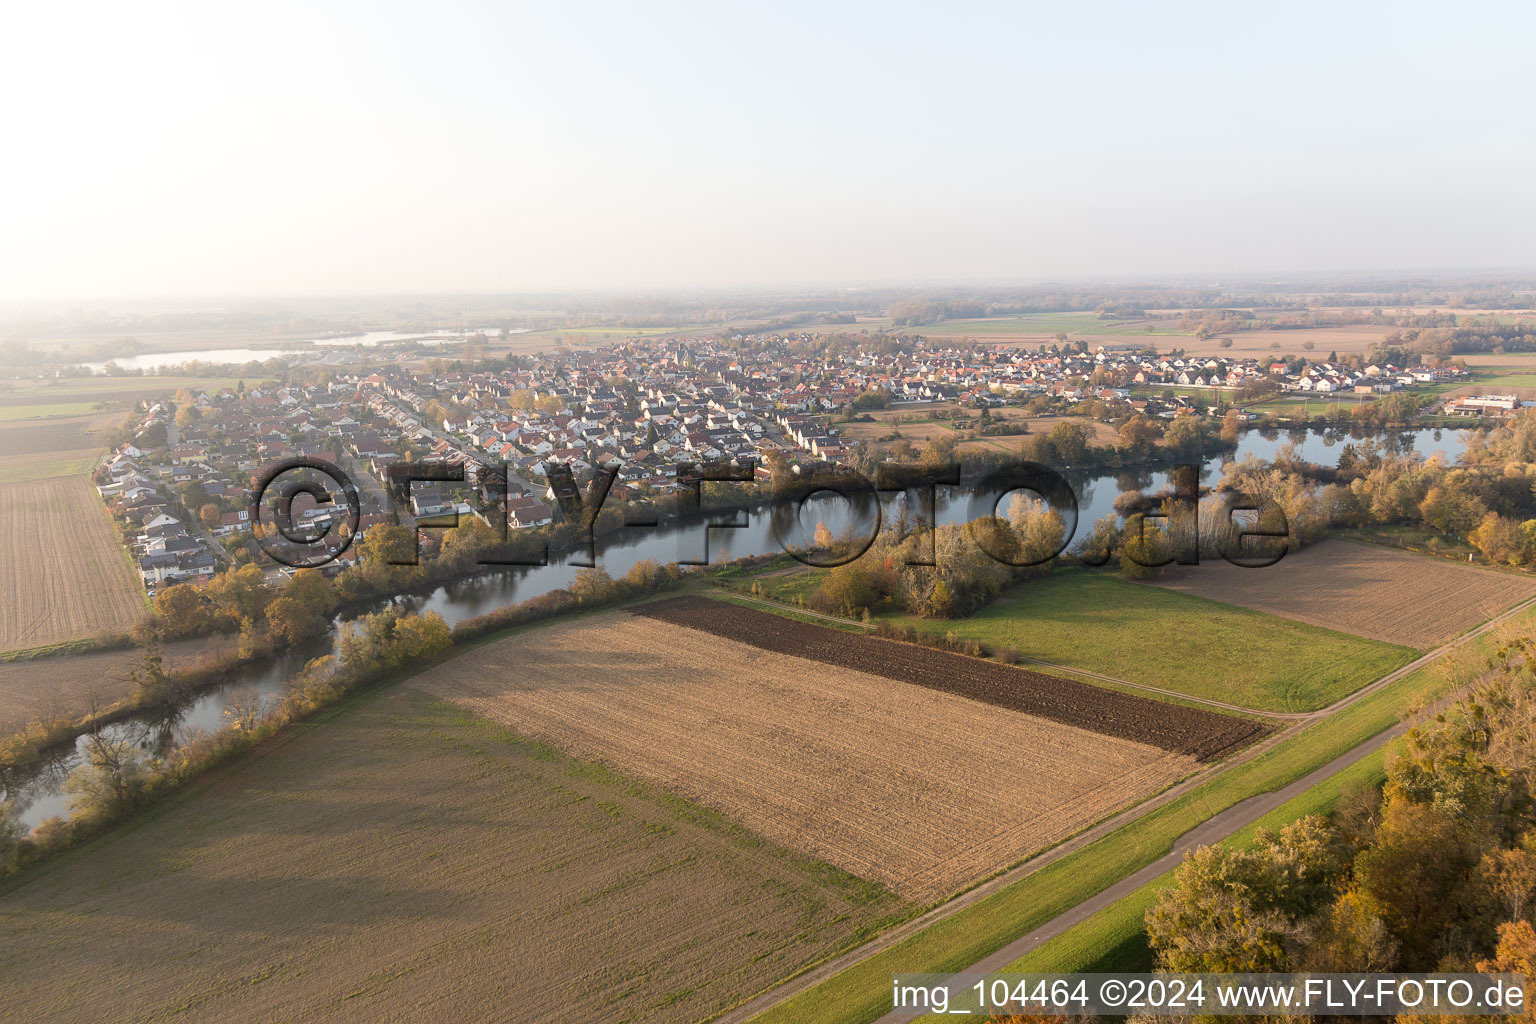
405,861
1184,730
904,784
1375,592
64,573
26,437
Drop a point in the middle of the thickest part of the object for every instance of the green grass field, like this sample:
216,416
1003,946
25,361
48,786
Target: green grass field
1187,644
43,465
1512,380
861,993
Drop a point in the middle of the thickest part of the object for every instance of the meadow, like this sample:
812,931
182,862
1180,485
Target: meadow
1175,641
45,465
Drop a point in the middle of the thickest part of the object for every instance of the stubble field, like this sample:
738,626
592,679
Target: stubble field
406,861
66,577
38,689
37,437
1374,592
904,783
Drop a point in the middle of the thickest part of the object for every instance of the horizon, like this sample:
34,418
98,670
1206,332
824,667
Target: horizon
203,154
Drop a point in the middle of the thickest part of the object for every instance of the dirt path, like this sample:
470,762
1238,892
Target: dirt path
1218,827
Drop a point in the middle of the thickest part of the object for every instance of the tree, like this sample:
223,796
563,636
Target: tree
874,398
312,591
1414,875
290,621
184,610
1070,441
111,775
211,515
1231,427
241,593
592,585
1139,433
1233,910
1185,435
1451,510
849,588
152,684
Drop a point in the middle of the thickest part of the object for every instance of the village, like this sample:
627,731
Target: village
180,490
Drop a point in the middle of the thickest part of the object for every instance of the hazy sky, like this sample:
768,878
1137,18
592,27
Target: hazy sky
208,149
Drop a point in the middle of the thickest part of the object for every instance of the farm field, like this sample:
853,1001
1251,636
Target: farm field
861,992
1044,326
30,437
43,465
1392,596
108,389
386,862
68,683
851,767
1505,360
1352,338
1158,637
1521,384
50,411
67,577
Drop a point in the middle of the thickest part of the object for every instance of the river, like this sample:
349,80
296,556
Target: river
41,797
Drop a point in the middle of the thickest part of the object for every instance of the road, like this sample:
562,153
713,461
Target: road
1215,829
366,482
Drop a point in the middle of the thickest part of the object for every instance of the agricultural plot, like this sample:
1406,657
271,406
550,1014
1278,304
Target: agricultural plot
406,861
1044,327
1386,595
70,684
66,577
45,465
915,768
113,389
1352,338
34,437
1178,642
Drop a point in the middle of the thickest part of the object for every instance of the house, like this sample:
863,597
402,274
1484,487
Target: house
524,513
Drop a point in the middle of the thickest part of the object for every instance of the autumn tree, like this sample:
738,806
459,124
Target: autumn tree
1139,434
